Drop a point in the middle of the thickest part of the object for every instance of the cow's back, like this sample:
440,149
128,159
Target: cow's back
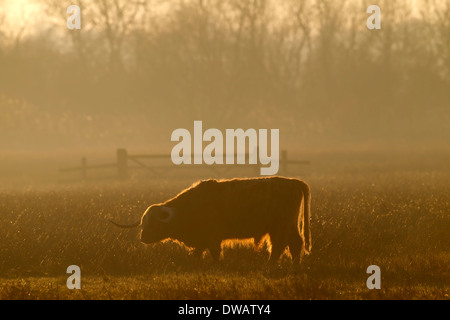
242,208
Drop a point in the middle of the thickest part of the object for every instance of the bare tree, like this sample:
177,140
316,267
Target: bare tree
437,13
111,19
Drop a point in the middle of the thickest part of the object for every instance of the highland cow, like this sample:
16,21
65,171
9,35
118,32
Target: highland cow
210,211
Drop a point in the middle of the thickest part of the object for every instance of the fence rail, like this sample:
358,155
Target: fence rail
124,160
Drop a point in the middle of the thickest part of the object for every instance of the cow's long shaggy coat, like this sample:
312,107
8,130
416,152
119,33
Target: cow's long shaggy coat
210,211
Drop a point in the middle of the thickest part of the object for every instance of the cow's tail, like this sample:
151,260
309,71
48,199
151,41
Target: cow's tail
307,217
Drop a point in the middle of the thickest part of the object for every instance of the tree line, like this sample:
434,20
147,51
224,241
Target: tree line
310,68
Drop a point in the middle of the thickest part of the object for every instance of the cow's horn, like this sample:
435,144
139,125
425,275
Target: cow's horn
169,217
126,226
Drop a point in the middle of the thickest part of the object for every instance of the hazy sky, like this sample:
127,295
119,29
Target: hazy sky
30,15
16,9
20,14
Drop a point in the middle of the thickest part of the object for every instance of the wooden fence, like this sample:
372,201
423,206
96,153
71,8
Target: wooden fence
125,163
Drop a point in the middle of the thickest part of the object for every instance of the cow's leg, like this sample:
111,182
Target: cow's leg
295,245
198,253
278,246
215,251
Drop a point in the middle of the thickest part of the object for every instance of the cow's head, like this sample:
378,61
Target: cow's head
155,223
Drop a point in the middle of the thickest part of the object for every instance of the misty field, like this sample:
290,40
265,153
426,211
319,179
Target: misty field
395,218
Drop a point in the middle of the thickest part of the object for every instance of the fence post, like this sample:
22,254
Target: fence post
83,168
122,166
284,163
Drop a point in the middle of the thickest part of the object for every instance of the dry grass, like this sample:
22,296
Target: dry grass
398,220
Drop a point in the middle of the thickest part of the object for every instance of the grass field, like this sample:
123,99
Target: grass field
395,217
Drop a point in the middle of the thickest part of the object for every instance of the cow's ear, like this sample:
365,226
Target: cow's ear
163,214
